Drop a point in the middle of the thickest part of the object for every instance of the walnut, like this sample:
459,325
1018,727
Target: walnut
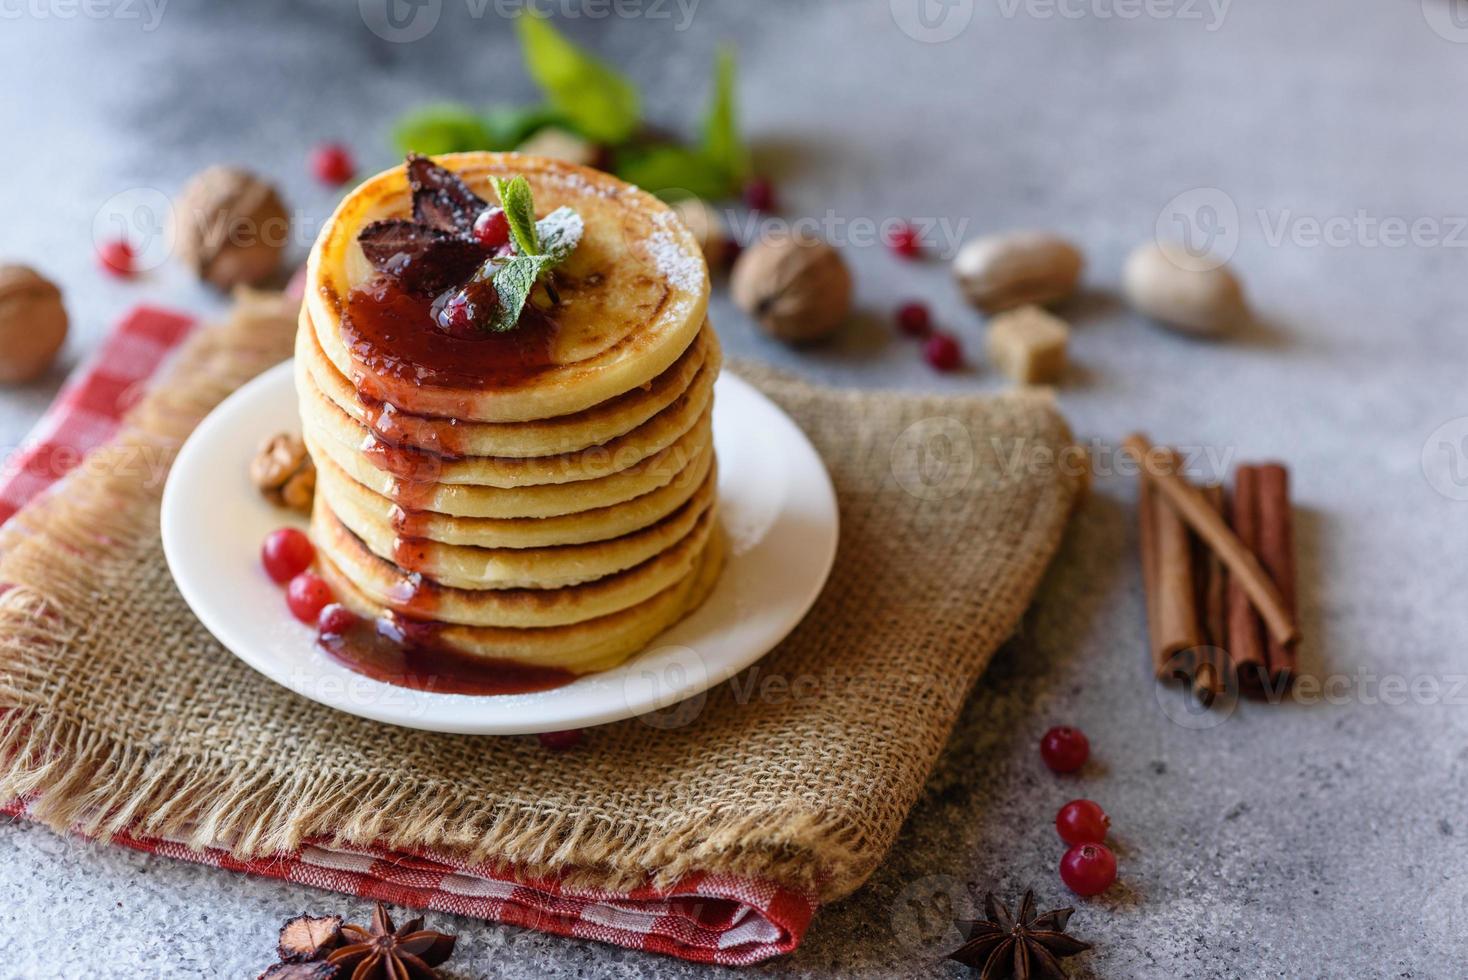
284,473
707,227
560,144
32,324
232,227
797,287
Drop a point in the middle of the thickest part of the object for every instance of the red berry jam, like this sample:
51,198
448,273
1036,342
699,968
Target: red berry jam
1088,869
306,595
286,553
1082,822
914,319
1065,749
942,352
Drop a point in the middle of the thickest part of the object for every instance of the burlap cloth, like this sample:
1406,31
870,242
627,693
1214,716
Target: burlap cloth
121,712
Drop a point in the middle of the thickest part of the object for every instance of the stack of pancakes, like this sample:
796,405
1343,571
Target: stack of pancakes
559,516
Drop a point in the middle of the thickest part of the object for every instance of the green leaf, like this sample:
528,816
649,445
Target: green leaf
441,129
509,126
598,102
519,207
514,278
721,143
560,232
673,172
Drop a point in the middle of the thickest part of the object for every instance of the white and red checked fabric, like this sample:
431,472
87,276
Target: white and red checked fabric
703,918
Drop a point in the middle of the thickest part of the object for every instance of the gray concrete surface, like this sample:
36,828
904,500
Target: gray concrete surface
1324,839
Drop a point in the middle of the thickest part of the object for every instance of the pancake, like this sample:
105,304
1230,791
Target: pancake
323,421
548,500
544,437
634,295
385,584
344,493
465,567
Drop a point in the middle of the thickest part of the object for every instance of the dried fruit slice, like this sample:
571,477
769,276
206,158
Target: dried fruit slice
425,260
440,198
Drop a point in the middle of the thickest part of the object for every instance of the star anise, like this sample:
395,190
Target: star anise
1022,946
387,952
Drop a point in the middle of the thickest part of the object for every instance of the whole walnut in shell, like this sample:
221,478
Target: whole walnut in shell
232,227
32,324
797,287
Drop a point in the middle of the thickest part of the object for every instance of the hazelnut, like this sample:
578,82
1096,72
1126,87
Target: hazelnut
559,144
283,472
1022,268
232,227
32,324
1193,294
707,226
797,288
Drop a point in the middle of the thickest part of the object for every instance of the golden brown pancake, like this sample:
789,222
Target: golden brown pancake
344,493
385,584
542,437
635,292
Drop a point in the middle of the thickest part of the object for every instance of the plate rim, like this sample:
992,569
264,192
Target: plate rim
661,695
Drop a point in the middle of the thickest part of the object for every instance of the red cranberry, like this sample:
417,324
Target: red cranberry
332,164
1088,869
492,227
307,594
1065,749
942,352
1082,822
335,619
286,553
117,257
759,194
904,240
561,741
914,319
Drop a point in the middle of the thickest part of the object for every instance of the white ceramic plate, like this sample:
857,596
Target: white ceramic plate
776,503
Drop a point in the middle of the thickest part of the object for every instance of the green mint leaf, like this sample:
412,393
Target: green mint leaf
519,207
600,103
721,143
442,129
514,279
560,232
673,172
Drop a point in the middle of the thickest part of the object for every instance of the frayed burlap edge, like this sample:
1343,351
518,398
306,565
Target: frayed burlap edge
78,779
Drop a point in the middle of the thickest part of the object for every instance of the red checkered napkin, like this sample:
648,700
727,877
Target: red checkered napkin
703,918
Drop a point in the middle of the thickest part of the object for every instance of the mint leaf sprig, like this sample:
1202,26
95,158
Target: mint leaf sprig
541,246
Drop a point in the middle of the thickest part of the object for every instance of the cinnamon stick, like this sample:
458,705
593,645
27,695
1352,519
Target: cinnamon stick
1167,551
1276,552
1242,565
1245,631
1208,667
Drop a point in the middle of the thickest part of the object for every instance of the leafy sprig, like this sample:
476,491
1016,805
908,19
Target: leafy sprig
589,98
541,245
